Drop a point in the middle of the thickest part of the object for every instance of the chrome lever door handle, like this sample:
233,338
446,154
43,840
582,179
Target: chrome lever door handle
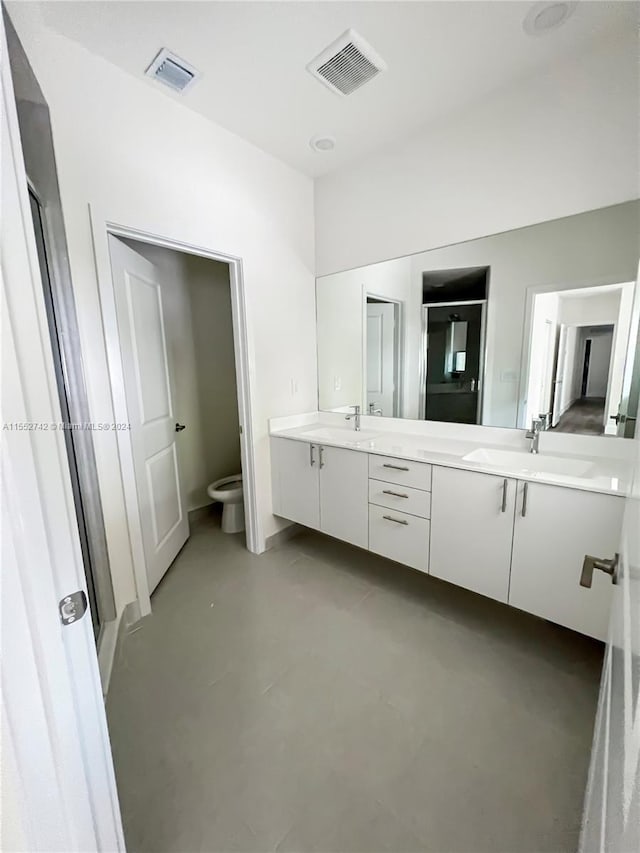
609,567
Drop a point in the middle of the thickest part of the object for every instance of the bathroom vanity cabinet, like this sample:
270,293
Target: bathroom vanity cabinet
324,488
517,541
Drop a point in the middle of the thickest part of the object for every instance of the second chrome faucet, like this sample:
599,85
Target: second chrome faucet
355,416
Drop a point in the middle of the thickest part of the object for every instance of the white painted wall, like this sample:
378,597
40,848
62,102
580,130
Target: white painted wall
145,161
541,148
599,361
196,297
589,310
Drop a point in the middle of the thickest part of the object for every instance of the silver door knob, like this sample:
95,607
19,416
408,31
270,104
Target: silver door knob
180,427
610,567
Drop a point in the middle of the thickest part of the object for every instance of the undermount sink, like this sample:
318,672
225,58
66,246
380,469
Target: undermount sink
341,435
529,463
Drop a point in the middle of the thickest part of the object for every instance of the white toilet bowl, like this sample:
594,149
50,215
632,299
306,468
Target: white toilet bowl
228,491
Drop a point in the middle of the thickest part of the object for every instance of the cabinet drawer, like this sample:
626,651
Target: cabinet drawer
404,539
403,498
400,471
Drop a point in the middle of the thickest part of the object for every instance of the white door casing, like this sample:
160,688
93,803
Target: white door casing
381,357
58,785
145,362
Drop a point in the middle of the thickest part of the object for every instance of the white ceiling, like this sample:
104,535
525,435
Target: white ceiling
441,56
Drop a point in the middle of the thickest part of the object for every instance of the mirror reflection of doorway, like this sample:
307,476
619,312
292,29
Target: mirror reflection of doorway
382,357
454,344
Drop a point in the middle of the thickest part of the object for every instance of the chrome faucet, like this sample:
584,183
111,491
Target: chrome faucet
374,410
537,425
355,416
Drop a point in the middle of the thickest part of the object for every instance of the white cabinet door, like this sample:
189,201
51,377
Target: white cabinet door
472,530
551,537
344,494
295,481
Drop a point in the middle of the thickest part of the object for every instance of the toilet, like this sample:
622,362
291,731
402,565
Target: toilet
228,491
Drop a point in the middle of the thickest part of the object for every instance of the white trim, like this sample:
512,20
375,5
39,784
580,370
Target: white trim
102,228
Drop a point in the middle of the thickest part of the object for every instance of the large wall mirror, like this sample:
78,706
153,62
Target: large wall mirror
540,322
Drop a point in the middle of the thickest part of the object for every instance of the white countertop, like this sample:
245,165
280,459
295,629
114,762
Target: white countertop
602,474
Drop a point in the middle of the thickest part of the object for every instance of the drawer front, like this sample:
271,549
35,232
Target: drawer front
402,498
404,539
400,471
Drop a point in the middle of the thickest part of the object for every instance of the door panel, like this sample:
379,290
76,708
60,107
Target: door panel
381,357
296,481
344,495
549,543
472,530
145,364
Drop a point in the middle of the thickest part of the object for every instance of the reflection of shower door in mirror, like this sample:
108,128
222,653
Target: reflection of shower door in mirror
453,361
382,358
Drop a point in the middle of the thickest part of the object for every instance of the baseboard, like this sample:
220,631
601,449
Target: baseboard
282,536
111,639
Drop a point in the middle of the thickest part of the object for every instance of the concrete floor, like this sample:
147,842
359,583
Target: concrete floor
318,698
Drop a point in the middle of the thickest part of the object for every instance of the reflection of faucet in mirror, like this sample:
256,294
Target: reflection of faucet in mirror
374,410
355,416
537,425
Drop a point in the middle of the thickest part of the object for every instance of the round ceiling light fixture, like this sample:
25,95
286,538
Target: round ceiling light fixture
546,16
322,143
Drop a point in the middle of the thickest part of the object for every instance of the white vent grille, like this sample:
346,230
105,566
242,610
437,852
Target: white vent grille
347,64
174,72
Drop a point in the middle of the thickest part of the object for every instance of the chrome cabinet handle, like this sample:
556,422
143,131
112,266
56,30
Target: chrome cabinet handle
395,494
590,563
504,495
395,467
312,460
321,456
397,520
525,492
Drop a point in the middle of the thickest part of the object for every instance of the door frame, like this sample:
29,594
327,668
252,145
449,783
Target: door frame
424,338
102,228
398,346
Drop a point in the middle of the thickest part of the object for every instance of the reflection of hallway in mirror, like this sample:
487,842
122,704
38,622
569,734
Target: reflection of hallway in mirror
585,416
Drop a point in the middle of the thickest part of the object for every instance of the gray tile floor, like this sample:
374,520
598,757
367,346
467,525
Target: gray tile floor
318,698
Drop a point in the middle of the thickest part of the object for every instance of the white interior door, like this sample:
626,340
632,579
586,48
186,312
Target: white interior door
381,357
558,382
627,417
612,807
58,788
145,364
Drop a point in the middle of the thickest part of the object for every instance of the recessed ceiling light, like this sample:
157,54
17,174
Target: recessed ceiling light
322,143
546,16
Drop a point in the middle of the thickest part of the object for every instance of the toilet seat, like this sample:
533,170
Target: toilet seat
226,489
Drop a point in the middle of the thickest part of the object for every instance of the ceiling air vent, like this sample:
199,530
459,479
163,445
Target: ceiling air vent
174,72
347,64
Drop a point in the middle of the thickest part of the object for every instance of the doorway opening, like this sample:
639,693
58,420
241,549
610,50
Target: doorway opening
184,391
576,360
452,355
